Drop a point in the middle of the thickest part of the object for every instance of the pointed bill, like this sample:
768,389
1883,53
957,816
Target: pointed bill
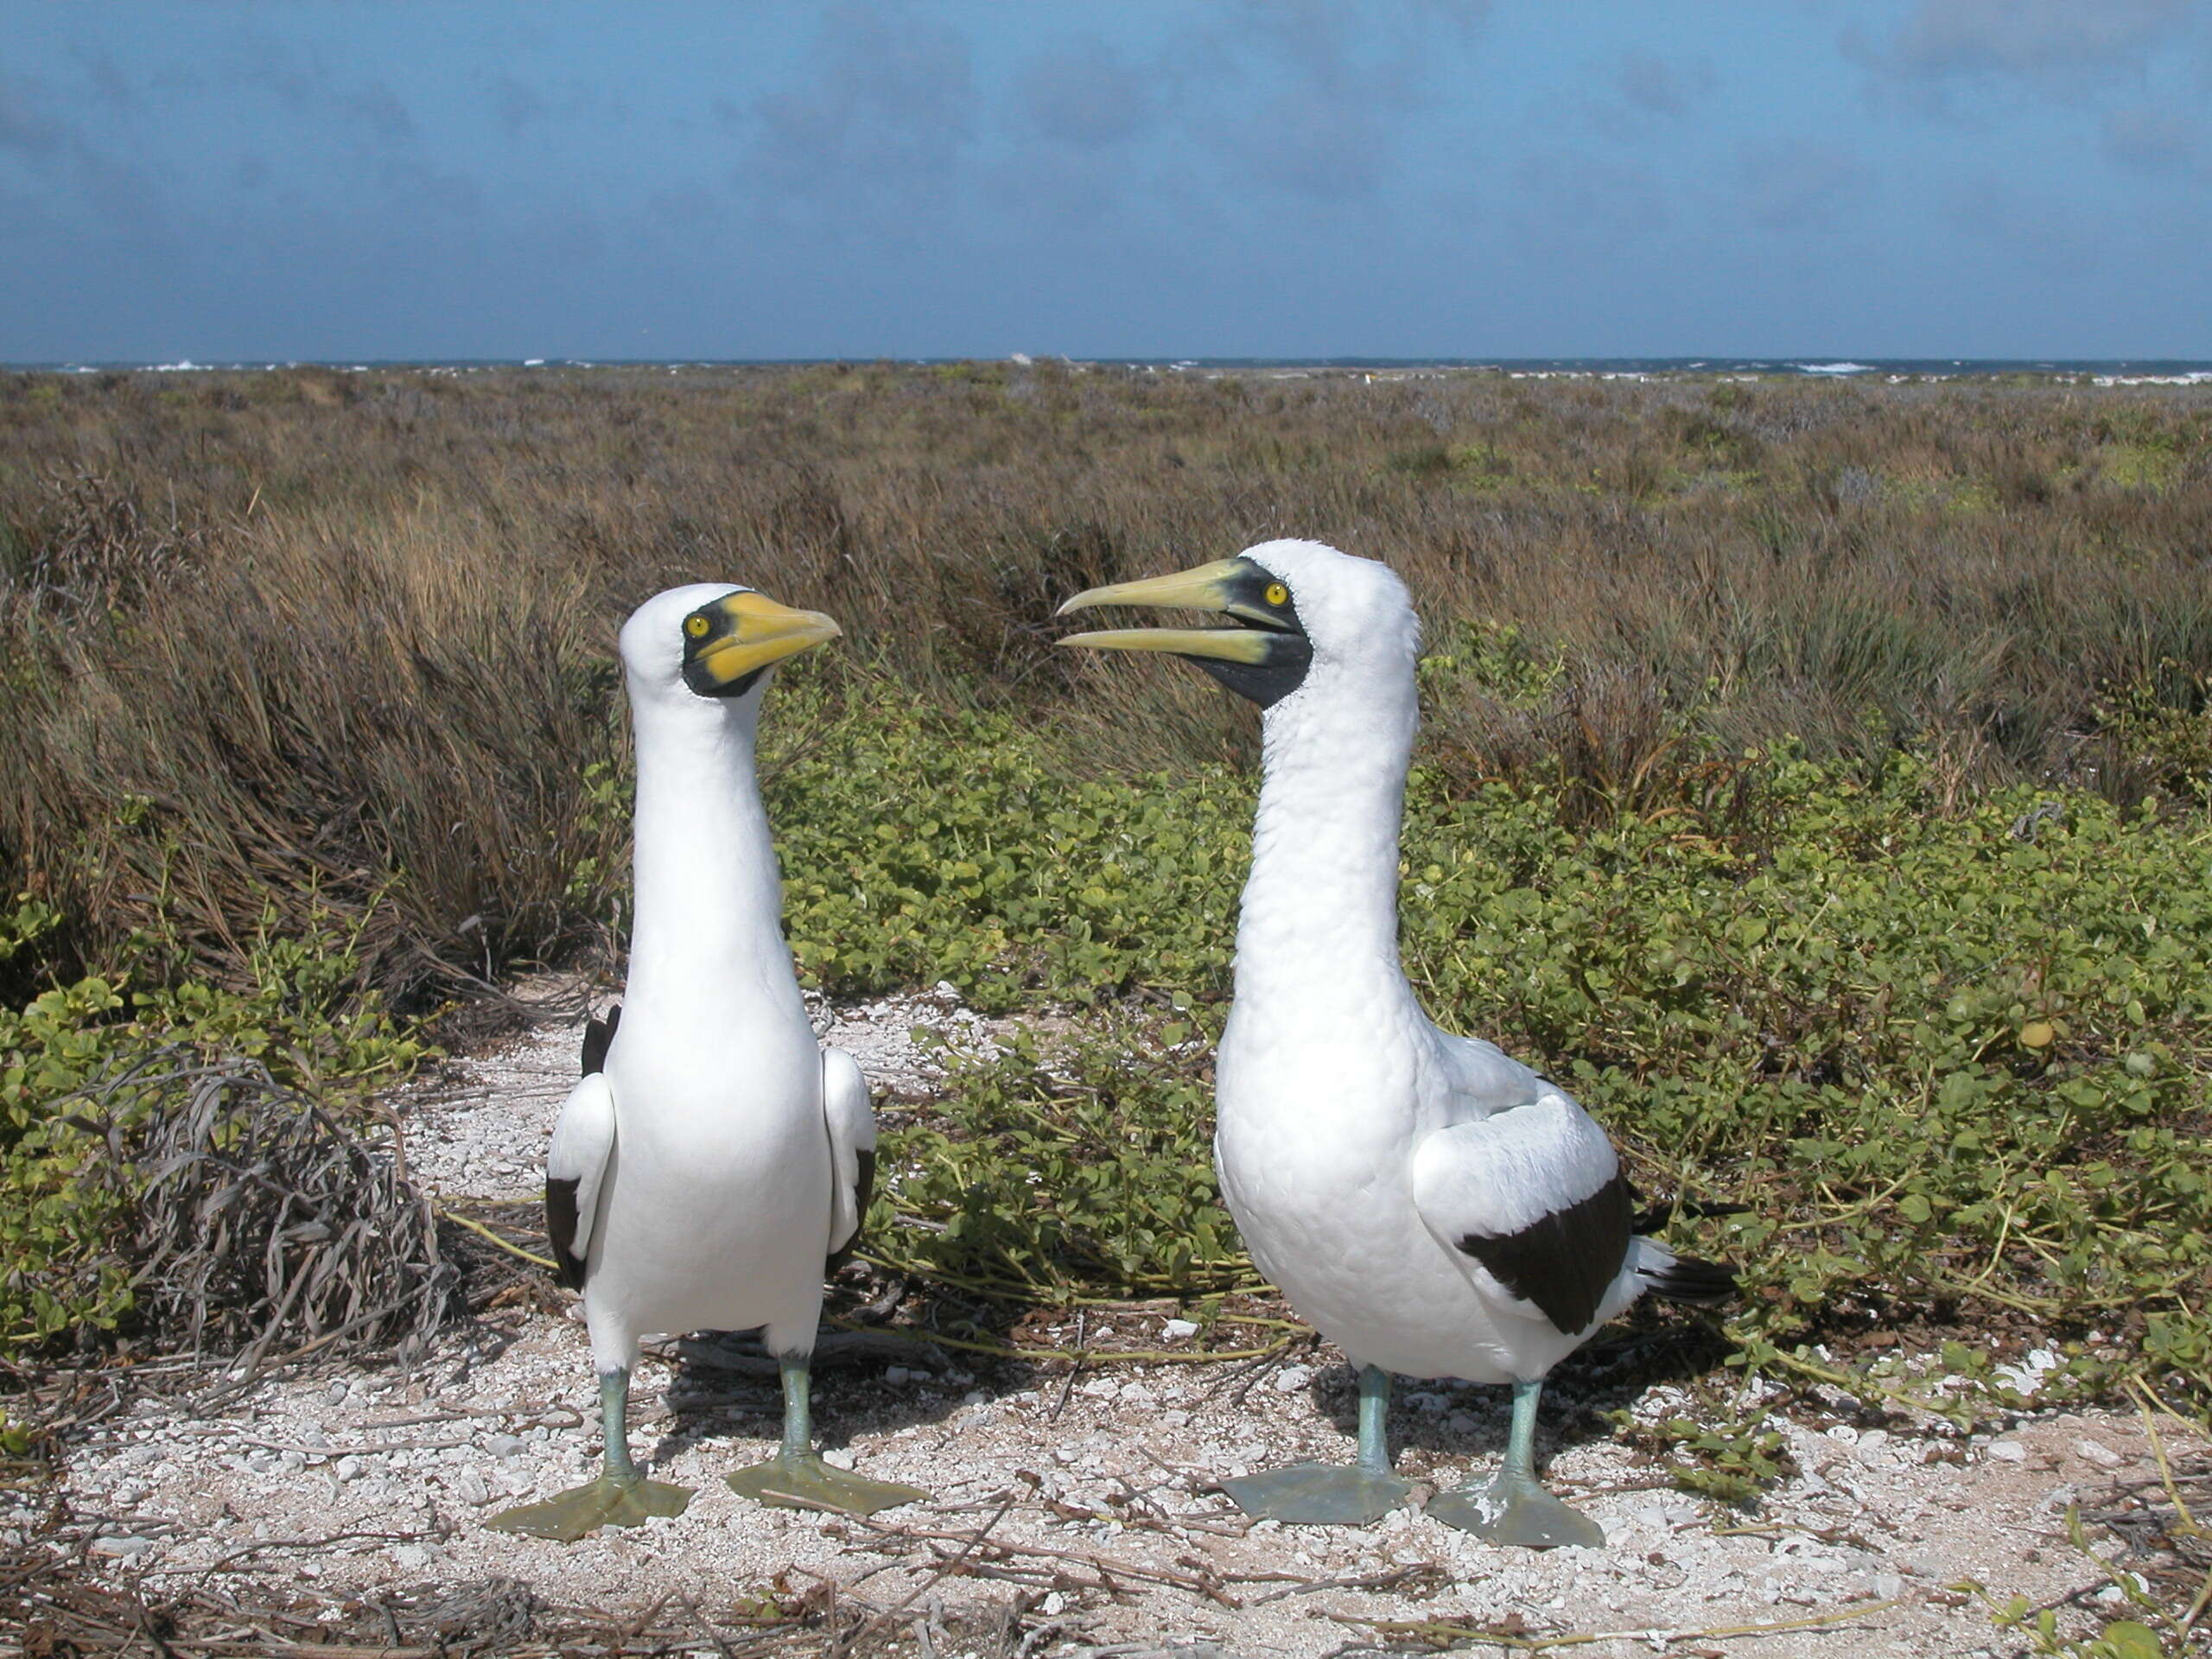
742,634
1207,588
1223,644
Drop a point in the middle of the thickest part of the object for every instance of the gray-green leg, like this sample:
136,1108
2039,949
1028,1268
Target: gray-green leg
619,1497
1513,1508
1329,1493
797,1477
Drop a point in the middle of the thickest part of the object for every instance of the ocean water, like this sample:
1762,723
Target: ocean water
2108,371
2100,370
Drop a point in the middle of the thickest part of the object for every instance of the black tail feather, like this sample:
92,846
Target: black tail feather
598,1037
1686,1279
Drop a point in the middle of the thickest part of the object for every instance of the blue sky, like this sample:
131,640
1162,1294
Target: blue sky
1938,178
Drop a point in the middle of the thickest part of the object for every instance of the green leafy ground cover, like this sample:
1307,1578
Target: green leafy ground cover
1951,1066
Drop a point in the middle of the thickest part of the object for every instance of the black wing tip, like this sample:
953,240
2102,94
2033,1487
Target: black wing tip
561,1230
1686,1279
599,1036
1565,1262
863,1190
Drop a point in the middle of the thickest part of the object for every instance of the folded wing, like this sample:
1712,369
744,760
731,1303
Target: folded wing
1532,1197
583,1140
851,1122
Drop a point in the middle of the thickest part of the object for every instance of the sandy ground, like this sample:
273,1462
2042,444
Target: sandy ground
1091,1494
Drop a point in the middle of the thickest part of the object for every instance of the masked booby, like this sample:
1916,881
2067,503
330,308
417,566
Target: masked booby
713,1156
1433,1207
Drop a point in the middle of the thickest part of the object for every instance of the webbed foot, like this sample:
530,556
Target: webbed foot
607,1502
796,1483
1319,1494
1516,1511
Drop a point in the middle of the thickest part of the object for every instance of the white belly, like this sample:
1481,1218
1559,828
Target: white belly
1315,1159
716,1210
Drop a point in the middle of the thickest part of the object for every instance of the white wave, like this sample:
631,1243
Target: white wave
181,364
2194,378
1832,368
533,362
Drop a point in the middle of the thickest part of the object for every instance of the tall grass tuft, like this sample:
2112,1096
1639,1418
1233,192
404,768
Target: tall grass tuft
302,648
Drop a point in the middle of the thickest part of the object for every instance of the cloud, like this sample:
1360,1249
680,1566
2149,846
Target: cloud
1327,153
77,178
1639,95
428,191
1796,184
2151,141
109,85
1567,195
301,82
24,127
1304,97
1085,94
516,105
2064,46
379,108
889,109
2046,233
1648,82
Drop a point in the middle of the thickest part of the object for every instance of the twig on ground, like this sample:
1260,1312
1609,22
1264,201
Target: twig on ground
944,1568
484,1232
1442,1631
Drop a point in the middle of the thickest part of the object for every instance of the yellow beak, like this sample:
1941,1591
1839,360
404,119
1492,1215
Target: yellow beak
1217,587
744,632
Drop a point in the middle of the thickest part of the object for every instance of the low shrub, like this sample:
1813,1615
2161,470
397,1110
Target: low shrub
124,1116
1944,1064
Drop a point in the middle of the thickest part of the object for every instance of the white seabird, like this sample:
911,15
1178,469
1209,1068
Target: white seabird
713,1157
1433,1207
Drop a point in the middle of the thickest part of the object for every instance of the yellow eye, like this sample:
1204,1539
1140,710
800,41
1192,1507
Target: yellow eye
1277,594
695,625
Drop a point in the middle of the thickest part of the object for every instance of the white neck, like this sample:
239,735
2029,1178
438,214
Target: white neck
708,892
1318,929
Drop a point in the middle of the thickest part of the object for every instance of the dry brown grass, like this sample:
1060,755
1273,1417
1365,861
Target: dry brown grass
342,639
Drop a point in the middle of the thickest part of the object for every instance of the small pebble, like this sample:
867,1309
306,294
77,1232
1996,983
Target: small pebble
2008,1451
